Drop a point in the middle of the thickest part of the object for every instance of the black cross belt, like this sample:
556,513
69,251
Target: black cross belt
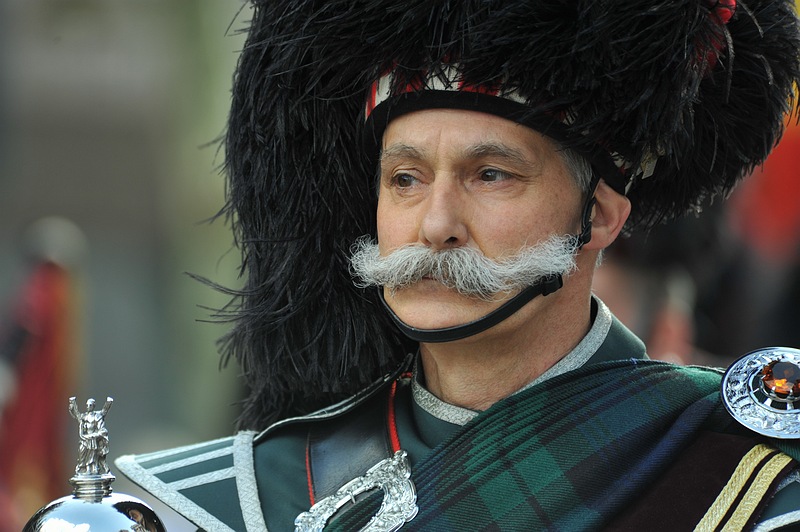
342,449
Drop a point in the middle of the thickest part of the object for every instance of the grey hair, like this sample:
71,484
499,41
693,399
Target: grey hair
578,167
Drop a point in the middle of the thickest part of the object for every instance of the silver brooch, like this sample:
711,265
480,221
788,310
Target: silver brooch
392,475
761,390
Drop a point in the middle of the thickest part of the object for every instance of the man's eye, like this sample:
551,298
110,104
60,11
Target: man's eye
491,174
404,180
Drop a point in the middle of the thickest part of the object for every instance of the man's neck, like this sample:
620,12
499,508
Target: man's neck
476,372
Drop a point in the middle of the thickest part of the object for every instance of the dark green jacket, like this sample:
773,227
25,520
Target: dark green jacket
254,482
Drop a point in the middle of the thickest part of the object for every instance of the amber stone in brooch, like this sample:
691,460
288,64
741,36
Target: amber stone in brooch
781,379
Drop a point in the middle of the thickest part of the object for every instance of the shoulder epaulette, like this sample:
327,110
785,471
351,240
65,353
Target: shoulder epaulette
754,481
212,484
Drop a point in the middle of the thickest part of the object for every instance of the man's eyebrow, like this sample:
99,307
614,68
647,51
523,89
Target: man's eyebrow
493,149
478,151
401,151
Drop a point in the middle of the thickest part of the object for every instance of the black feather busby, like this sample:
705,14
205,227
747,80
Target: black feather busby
701,87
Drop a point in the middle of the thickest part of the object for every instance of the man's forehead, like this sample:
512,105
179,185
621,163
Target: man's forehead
468,134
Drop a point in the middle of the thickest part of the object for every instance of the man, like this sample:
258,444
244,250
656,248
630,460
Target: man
490,151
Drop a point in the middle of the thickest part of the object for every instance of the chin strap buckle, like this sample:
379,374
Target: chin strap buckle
586,222
551,284
586,216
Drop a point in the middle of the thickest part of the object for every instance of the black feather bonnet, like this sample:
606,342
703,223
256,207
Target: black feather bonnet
704,85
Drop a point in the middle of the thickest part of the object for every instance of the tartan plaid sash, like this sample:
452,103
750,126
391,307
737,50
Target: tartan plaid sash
568,454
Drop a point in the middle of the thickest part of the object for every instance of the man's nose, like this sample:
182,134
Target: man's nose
443,224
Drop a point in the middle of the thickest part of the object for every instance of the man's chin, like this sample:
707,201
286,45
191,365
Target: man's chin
432,320
431,305
430,289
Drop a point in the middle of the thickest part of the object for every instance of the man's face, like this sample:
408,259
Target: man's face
453,178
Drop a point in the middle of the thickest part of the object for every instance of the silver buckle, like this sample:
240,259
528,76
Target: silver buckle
399,506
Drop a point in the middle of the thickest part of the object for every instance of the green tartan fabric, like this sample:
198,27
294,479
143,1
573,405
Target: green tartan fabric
568,454
357,517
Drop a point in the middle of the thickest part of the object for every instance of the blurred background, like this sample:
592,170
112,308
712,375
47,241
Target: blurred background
110,114
110,111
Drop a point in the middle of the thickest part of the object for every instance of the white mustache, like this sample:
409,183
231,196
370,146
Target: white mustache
463,269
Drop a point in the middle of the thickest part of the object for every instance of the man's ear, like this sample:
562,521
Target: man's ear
609,214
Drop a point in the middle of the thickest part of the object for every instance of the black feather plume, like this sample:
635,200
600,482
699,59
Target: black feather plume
664,77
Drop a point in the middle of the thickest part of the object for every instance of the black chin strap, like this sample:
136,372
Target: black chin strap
548,285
